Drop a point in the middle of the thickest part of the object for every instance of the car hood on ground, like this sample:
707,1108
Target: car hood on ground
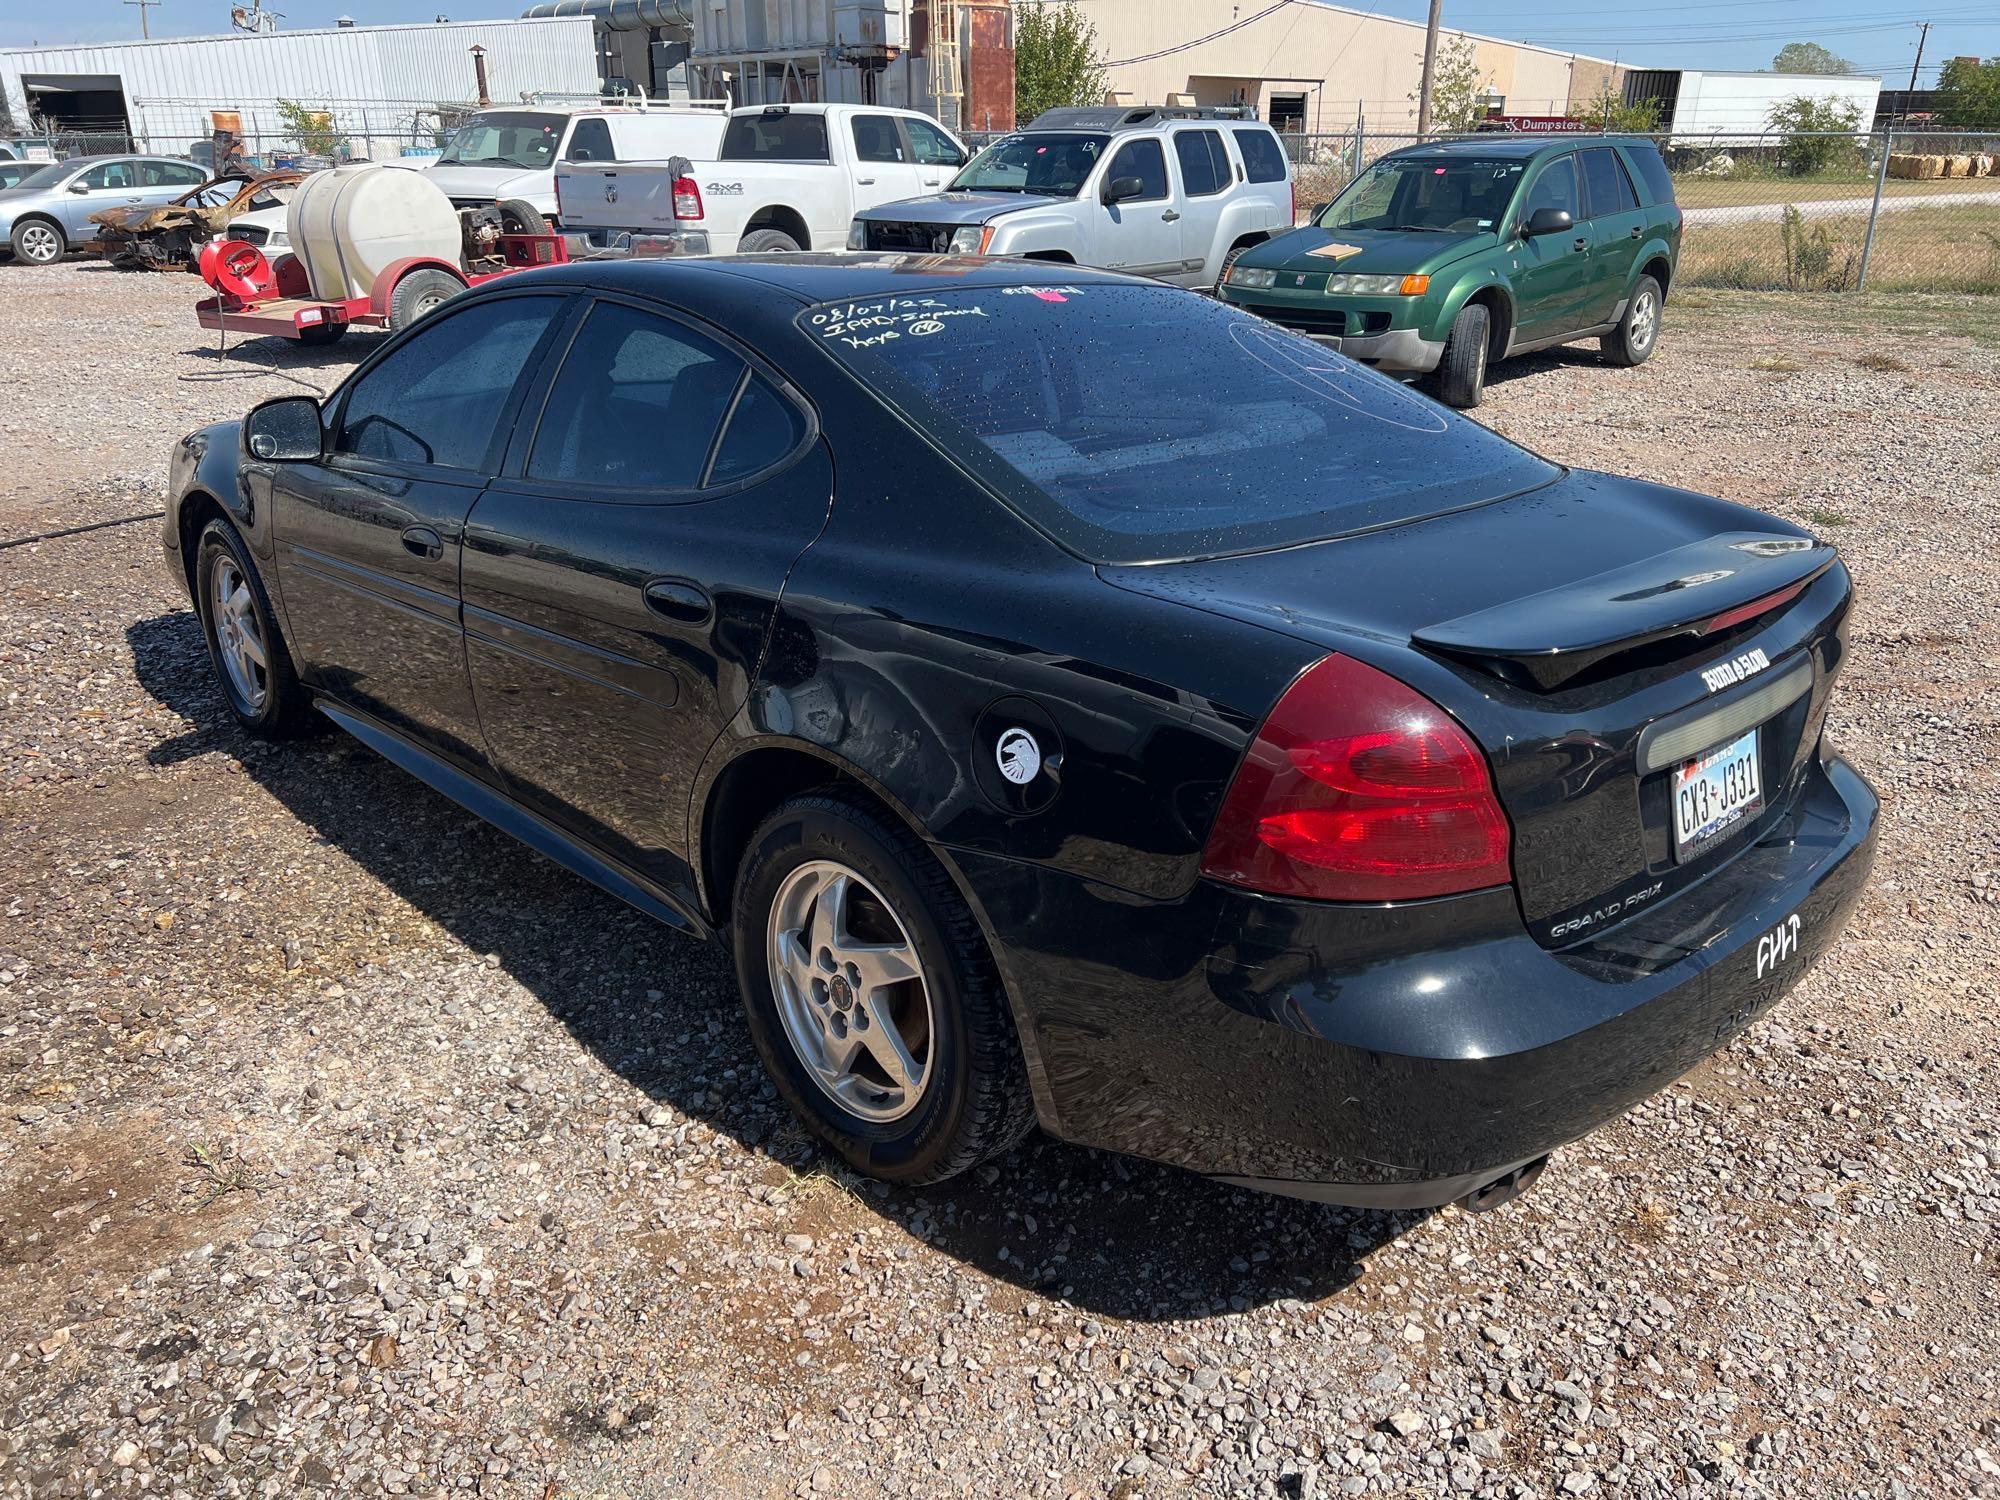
956,208
459,181
1379,252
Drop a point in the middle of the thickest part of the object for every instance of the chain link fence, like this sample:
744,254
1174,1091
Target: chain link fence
1888,211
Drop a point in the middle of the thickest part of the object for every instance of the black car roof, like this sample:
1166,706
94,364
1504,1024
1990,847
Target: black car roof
1509,143
822,277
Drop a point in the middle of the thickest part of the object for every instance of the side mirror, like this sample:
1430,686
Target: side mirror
1119,189
1317,210
285,431
79,186
1547,221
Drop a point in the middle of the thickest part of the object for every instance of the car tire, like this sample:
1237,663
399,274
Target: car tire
833,883
768,242
267,698
420,292
38,242
1638,332
319,336
1461,372
518,216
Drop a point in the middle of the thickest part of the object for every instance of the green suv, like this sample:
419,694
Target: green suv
1443,257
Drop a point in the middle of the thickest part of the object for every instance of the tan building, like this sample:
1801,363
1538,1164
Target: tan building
1309,66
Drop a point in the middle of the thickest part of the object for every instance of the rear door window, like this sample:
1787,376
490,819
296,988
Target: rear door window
590,140
1146,161
1205,168
437,400
762,429
876,138
775,137
1263,157
1607,188
636,404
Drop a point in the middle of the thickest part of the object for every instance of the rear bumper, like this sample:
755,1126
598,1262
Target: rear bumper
1398,1056
623,244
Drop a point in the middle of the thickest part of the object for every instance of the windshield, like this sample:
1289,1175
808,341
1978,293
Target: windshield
1146,424
49,176
1415,192
1052,162
527,141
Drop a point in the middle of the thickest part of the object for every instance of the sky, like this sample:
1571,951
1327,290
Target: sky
1878,37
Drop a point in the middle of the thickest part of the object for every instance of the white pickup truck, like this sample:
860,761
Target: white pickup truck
786,177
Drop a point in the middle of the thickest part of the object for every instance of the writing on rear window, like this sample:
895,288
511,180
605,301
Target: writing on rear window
861,325
1729,673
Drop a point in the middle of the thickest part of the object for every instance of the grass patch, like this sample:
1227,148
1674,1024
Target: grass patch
1886,364
1827,518
1953,249
1776,364
222,1172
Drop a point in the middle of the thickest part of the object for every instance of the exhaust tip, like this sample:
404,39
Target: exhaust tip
1505,1188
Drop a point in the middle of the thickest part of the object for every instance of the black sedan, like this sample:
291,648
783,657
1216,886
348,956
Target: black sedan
1072,700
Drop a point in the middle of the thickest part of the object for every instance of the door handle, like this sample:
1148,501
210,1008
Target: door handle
1171,214
421,541
1637,230
865,181
678,600
1579,243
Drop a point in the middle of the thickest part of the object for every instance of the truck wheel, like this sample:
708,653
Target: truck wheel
37,242
418,293
518,216
768,242
1461,373
1638,332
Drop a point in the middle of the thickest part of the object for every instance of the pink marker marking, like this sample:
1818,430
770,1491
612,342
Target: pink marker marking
1051,296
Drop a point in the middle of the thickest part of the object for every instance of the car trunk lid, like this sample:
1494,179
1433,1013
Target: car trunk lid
1594,636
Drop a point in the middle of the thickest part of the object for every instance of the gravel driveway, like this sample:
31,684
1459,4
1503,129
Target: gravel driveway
346,1146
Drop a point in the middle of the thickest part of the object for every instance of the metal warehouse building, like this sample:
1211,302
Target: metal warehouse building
1310,66
376,80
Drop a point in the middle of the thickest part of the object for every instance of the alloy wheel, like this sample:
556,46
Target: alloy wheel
40,244
851,991
1645,321
239,635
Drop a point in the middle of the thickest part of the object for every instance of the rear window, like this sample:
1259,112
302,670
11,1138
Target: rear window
1652,171
1263,157
1144,424
775,137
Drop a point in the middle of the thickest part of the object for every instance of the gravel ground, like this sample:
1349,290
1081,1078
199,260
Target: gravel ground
345,1144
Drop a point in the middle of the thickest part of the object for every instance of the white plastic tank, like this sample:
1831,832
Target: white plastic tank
351,223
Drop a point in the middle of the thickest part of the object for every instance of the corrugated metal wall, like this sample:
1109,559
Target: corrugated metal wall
169,84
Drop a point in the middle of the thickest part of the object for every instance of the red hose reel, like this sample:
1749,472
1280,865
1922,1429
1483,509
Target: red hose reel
237,269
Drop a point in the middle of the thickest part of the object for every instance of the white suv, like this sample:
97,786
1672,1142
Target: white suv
1168,192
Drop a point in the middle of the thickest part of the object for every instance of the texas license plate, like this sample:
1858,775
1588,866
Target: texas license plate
1714,793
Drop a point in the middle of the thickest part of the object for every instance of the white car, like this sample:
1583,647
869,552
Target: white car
786,177
1164,191
262,227
512,153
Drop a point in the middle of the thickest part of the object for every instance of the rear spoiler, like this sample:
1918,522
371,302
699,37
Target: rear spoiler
1698,590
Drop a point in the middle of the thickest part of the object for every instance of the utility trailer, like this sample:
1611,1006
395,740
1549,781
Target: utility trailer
255,298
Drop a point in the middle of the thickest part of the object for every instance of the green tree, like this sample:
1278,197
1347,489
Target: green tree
311,128
1458,88
1968,94
1055,59
1809,57
1818,133
1609,112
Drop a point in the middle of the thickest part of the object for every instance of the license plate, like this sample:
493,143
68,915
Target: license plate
1715,792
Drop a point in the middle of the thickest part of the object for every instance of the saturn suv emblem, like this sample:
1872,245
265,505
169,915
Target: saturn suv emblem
1019,755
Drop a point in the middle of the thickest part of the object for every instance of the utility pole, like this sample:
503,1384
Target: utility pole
146,32
1430,70
1923,35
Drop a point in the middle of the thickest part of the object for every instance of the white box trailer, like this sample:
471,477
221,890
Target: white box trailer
1704,107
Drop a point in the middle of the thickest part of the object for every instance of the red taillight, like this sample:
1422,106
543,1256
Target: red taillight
1753,609
687,198
1358,788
